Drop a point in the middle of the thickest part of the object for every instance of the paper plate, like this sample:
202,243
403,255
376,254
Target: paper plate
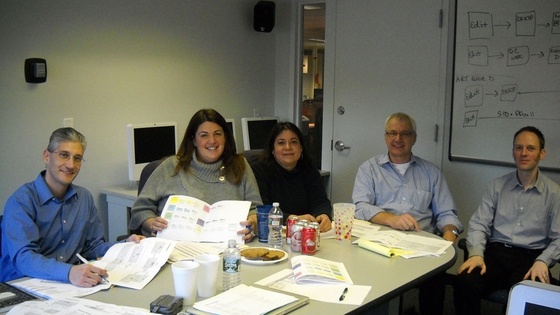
263,262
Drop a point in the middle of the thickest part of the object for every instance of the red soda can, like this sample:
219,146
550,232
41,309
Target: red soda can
318,239
289,223
308,240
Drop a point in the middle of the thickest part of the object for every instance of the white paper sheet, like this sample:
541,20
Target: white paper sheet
330,293
73,306
48,289
244,300
134,265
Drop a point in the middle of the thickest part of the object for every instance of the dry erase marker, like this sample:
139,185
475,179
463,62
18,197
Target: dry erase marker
82,259
343,295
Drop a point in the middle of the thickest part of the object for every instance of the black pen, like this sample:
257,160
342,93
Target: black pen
343,295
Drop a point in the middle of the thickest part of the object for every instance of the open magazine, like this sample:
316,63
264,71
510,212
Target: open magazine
191,219
313,270
394,243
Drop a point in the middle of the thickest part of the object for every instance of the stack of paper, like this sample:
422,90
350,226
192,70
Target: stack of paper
246,300
394,243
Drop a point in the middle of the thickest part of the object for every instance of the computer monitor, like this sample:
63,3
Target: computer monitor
256,131
533,298
149,142
231,125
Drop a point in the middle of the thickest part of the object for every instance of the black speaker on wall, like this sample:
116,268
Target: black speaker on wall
263,19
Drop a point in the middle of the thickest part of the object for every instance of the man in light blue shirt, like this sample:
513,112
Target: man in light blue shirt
48,221
515,233
407,193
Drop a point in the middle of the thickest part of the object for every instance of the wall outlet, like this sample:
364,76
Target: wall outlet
68,122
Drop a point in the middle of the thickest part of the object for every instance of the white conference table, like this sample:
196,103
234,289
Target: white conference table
388,278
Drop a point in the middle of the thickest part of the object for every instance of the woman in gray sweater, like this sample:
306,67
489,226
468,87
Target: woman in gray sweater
206,167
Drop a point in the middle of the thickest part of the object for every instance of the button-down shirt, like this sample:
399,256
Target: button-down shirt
41,235
511,214
421,192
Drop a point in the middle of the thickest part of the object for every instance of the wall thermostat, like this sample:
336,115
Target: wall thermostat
35,70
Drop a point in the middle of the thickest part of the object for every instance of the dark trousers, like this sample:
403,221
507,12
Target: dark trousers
505,266
431,295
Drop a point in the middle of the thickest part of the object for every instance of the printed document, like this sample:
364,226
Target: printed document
244,300
72,306
134,265
419,245
191,219
330,293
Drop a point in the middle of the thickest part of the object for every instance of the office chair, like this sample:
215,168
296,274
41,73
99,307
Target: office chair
252,155
498,296
144,175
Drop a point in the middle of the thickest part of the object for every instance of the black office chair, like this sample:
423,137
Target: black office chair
252,155
144,175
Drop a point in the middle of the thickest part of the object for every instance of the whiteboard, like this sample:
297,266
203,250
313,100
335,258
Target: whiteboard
506,75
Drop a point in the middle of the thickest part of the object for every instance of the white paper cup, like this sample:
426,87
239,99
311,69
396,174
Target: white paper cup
207,274
184,278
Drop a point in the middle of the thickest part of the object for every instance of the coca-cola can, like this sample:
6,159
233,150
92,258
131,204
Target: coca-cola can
289,223
296,237
318,233
308,240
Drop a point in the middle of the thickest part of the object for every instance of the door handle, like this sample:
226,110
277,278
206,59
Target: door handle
339,146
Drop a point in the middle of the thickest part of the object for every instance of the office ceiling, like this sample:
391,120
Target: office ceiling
314,25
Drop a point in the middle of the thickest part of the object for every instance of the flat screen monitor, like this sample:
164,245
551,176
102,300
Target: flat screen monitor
147,143
256,131
231,125
533,298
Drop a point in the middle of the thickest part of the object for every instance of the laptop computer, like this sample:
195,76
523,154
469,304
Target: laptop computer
11,296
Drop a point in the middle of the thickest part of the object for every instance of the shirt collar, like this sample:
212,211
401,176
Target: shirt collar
45,194
385,159
538,185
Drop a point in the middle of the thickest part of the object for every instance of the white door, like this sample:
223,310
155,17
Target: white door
387,59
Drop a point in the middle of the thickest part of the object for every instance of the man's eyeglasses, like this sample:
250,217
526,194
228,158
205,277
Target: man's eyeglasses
64,156
404,134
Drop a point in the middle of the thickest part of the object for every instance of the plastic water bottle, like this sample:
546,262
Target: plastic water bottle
232,262
275,218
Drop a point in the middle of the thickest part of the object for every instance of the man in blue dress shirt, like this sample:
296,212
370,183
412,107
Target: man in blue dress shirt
405,192
50,220
515,233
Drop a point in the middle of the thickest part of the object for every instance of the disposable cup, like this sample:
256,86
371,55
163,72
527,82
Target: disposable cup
262,220
184,278
343,221
207,282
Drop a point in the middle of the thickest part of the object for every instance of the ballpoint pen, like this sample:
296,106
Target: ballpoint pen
82,259
343,295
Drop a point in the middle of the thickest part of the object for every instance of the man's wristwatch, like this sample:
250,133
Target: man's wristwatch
452,231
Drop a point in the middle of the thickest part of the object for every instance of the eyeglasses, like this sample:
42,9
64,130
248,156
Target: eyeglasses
64,156
404,134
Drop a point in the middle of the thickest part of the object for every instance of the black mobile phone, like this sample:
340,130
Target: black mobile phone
167,304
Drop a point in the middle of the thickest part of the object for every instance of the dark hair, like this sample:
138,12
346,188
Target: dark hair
534,130
234,164
277,130
65,134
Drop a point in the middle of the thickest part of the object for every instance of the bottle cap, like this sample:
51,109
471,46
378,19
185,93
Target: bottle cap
275,204
232,243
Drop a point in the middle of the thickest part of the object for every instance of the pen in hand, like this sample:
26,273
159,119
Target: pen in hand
343,295
82,259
